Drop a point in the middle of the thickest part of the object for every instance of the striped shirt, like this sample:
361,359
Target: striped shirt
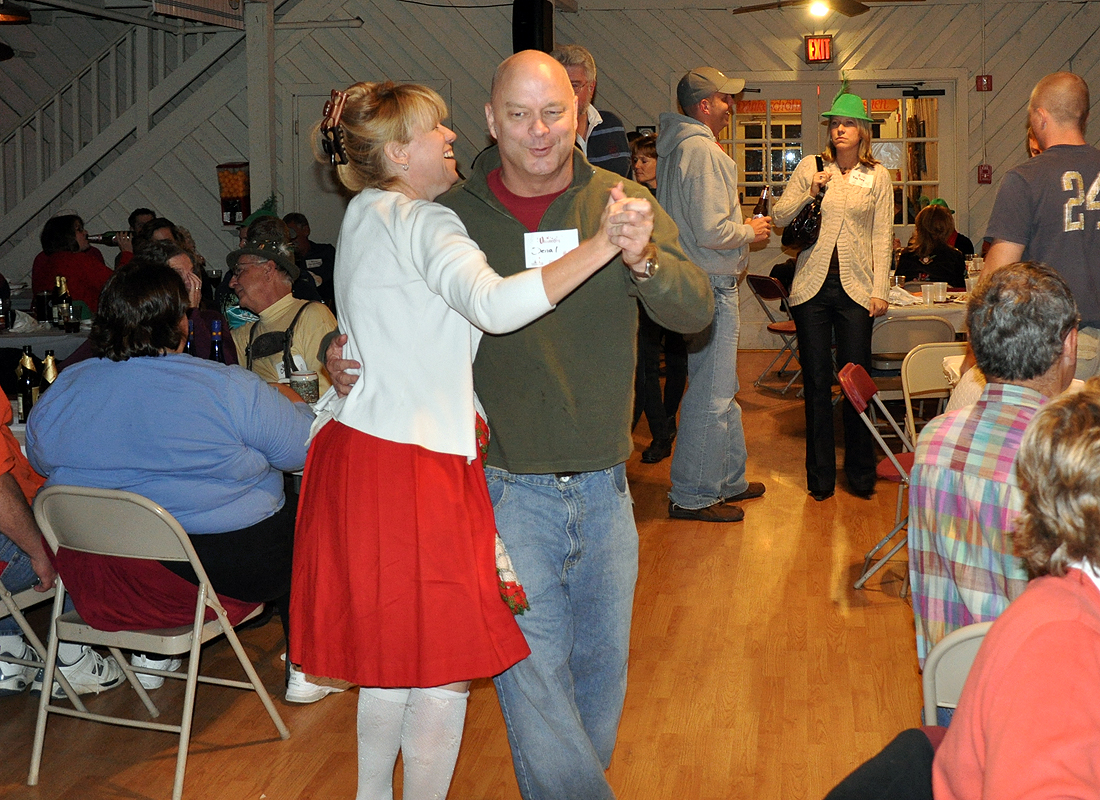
963,501
606,144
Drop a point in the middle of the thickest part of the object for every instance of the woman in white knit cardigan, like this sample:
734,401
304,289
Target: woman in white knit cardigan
840,285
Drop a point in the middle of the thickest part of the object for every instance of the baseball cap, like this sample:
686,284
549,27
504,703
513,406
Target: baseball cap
701,83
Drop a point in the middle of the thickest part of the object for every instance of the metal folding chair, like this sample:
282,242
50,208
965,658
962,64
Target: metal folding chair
894,337
127,525
947,666
861,391
12,605
766,288
923,378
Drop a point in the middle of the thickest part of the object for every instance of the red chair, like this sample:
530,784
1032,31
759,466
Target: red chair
765,288
861,390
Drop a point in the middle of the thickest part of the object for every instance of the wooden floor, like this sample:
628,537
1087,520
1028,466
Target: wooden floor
756,670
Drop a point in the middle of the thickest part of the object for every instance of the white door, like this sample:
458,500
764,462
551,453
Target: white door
315,191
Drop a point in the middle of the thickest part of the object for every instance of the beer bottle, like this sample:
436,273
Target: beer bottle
109,238
189,347
55,301
65,303
761,207
49,372
216,353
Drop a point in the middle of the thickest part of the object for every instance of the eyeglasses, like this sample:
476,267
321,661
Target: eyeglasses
578,85
242,266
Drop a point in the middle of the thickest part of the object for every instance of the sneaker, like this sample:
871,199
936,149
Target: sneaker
144,661
92,673
299,689
15,678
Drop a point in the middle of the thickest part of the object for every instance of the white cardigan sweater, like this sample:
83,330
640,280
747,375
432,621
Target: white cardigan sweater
414,295
857,219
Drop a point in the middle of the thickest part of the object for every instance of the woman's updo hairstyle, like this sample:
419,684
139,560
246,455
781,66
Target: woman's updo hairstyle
374,115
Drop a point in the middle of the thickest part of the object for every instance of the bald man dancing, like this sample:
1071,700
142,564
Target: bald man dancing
1048,208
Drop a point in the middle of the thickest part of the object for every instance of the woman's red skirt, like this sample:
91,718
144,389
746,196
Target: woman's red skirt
395,581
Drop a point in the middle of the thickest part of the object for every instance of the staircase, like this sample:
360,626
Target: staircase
110,104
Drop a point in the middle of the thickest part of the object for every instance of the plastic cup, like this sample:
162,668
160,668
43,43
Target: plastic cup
305,384
928,294
941,291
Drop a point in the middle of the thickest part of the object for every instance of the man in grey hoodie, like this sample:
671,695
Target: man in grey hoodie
697,186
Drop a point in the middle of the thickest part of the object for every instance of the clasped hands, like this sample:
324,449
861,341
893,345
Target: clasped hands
628,224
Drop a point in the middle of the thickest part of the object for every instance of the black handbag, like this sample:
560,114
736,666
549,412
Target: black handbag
802,231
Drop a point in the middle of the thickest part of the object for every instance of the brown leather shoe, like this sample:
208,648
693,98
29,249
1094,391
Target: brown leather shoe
756,489
719,512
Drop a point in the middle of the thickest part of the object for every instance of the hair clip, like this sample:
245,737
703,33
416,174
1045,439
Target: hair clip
332,135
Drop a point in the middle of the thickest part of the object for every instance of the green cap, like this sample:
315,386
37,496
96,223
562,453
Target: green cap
848,105
939,201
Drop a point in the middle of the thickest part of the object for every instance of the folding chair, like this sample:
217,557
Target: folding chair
12,606
127,525
765,288
947,666
894,337
923,378
860,390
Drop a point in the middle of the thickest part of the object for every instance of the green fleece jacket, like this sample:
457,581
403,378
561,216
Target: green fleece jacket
559,392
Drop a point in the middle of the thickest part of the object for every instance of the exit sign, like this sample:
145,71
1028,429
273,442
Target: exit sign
819,49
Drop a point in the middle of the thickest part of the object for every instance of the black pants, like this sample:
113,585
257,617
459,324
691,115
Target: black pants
902,771
660,412
252,564
832,313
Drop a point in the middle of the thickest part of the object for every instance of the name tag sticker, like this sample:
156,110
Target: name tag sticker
863,179
314,263
542,247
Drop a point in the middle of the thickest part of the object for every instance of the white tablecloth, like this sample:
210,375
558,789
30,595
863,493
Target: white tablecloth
63,344
953,311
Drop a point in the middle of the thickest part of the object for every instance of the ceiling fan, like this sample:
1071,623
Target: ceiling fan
849,8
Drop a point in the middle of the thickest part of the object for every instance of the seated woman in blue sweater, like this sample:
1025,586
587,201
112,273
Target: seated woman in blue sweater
208,442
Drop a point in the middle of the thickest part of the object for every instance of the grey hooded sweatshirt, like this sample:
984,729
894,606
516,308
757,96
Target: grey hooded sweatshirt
697,186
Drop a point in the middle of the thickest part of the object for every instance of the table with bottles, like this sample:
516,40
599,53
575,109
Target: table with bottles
63,344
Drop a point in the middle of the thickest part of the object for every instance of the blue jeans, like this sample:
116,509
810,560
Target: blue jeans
18,575
575,548
709,462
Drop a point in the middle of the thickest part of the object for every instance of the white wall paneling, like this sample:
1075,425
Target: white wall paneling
641,47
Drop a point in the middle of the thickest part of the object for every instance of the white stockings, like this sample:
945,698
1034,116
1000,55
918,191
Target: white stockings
425,725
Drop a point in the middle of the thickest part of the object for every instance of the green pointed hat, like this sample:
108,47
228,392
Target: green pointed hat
846,104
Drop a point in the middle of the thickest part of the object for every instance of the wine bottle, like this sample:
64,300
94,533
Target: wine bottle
109,238
28,383
761,207
49,372
189,347
216,353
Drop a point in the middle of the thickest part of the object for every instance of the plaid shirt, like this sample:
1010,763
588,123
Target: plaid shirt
963,501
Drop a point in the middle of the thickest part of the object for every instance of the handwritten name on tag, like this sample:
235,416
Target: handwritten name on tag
864,180
542,247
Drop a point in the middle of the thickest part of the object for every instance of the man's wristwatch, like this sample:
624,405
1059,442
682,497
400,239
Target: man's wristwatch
651,266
